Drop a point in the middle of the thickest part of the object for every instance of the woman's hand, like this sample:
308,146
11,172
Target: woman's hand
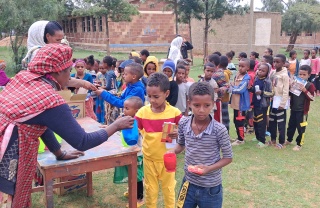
125,122
72,154
88,85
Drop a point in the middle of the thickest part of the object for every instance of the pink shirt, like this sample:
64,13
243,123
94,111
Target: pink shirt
315,66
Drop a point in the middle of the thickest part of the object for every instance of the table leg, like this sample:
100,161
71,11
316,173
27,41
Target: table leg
89,184
132,183
48,192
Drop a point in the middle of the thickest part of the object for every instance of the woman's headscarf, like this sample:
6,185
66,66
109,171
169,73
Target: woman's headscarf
36,34
175,53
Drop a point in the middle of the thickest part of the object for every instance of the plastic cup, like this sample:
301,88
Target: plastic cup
170,162
131,136
122,141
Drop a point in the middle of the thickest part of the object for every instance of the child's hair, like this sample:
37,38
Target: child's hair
230,54
145,52
243,55
98,61
252,64
306,68
108,60
270,51
292,52
183,62
315,50
255,54
136,69
136,101
209,64
308,51
269,59
137,60
246,60
89,60
223,61
201,88
268,66
160,80
214,58
181,66
51,28
282,57
75,61
114,61
217,53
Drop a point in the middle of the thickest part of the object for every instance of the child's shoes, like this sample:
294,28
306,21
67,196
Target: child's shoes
237,142
297,148
287,142
126,194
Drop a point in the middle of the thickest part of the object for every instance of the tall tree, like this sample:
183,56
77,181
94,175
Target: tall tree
298,16
174,5
112,10
215,9
188,10
16,16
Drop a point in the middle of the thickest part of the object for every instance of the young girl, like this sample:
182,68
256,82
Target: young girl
100,107
230,56
89,63
169,69
255,56
315,70
182,103
293,63
150,66
79,65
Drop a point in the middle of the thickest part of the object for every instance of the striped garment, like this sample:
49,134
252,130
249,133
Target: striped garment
204,149
150,126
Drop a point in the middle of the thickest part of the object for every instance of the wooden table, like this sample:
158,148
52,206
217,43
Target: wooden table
108,155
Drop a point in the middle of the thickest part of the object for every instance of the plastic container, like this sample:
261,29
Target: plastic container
170,162
131,136
122,140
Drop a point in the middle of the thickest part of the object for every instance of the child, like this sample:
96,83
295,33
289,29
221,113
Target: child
100,107
225,96
299,108
131,107
168,68
268,52
110,75
231,65
150,119
121,85
249,113
240,100
81,74
150,66
277,116
306,59
293,63
255,56
202,138
209,68
261,101
242,55
3,77
182,103
314,69
131,75
144,54
186,64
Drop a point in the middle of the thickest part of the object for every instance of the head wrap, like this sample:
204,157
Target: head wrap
78,61
36,34
134,54
175,53
51,58
169,64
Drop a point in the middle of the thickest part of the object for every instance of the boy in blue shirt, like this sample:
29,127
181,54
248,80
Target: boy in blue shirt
202,138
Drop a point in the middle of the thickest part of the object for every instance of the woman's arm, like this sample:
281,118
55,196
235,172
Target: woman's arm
77,83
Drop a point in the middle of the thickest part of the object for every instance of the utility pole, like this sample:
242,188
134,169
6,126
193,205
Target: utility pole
250,27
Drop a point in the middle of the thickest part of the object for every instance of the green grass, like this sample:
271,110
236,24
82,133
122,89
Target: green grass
256,177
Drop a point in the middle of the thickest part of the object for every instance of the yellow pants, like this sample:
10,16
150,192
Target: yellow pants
153,173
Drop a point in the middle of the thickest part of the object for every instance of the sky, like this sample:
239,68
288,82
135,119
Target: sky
256,3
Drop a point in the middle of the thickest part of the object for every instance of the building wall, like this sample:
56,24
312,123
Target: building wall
231,33
304,40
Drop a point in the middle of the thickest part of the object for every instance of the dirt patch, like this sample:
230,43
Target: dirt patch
275,179
242,191
5,42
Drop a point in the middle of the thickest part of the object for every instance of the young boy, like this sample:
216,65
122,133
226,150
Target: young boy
240,100
202,138
300,107
131,75
144,55
131,107
277,117
249,114
182,103
261,102
209,68
150,120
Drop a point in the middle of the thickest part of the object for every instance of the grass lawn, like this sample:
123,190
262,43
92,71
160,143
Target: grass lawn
256,178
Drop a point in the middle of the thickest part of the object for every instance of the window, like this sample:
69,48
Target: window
94,24
67,26
88,24
308,33
75,25
100,24
71,26
299,34
288,34
83,24
63,25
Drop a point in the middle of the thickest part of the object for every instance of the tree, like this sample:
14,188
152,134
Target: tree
16,16
298,16
188,10
215,9
113,10
174,5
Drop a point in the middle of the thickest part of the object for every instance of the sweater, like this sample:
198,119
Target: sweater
136,89
241,91
280,80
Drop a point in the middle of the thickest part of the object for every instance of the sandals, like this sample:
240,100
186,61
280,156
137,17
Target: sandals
271,143
280,146
297,148
287,142
261,145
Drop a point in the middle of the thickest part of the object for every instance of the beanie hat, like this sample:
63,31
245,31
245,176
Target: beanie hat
169,64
